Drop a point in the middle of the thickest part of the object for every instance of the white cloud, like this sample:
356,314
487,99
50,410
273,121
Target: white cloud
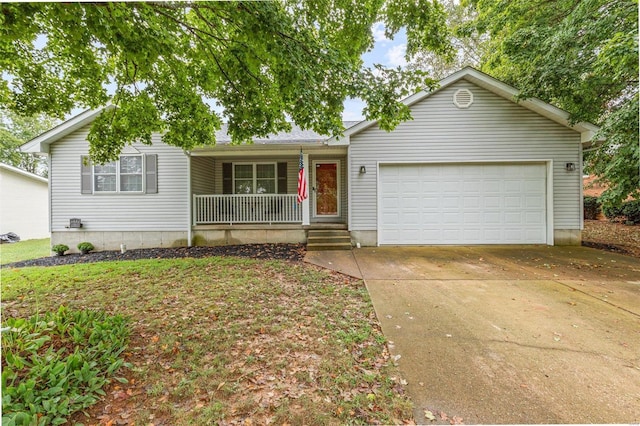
378,32
395,55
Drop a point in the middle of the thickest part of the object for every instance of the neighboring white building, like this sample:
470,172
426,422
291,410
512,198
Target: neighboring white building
24,203
476,165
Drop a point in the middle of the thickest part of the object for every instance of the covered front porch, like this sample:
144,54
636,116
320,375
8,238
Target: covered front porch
248,193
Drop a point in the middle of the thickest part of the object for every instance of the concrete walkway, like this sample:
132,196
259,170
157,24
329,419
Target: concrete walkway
508,334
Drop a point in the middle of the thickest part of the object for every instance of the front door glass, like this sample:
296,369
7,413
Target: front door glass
326,189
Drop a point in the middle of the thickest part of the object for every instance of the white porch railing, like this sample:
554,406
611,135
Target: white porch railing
259,208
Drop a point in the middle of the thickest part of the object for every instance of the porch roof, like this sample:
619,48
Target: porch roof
296,136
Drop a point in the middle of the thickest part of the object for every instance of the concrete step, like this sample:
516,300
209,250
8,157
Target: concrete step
328,233
328,246
335,239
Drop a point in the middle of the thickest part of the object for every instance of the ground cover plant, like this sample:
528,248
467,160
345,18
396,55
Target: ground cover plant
56,364
23,250
228,341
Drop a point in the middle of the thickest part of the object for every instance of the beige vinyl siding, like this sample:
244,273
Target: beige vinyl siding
165,211
202,175
493,129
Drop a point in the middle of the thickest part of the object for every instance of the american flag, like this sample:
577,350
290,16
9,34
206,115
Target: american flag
303,191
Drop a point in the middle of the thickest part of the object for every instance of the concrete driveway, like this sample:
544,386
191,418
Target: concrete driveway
508,334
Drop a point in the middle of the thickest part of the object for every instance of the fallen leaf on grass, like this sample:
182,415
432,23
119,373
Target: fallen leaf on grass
429,415
456,420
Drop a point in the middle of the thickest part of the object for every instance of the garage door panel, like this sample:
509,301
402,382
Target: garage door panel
463,204
492,202
471,202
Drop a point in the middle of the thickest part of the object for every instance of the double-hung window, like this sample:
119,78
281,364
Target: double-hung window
255,178
123,175
130,174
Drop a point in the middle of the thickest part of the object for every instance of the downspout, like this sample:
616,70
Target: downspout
189,202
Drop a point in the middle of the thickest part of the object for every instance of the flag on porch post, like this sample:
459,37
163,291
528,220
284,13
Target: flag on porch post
303,192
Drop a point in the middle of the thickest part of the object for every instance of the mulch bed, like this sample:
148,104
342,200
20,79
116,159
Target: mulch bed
291,252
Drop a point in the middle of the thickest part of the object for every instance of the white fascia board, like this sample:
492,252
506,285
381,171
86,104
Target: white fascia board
40,144
24,173
344,140
270,150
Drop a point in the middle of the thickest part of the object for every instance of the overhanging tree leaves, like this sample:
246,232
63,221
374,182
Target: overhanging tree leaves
15,131
262,63
581,55
468,45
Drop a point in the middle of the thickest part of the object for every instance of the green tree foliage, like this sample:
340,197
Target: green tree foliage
468,45
581,55
15,130
261,63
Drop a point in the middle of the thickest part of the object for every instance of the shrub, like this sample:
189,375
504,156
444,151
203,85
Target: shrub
85,247
612,212
631,209
591,207
57,364
59,249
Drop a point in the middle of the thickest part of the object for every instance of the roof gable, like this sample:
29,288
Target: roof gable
40,144
586,130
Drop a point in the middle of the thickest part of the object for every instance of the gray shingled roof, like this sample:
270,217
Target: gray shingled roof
295,136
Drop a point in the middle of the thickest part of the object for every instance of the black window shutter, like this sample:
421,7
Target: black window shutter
282,178
151,173
227,178
86,175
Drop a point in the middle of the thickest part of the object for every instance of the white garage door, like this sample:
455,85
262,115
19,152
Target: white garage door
462,204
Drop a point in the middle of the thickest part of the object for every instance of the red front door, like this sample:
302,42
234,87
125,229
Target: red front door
326,186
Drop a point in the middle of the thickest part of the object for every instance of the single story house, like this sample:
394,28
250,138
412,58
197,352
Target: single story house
24,203
474,166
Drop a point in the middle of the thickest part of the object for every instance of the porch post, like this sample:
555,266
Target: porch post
190,216
306,211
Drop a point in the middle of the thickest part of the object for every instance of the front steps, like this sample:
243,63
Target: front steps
328,239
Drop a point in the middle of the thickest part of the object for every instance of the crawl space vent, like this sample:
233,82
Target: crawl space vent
463,98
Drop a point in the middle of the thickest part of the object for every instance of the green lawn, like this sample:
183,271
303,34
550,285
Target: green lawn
24,250
224,340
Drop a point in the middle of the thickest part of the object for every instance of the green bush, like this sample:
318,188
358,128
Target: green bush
612,212
59,249
85,247
631,210
591,207
57,364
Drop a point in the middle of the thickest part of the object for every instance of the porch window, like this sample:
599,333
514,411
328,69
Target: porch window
255,178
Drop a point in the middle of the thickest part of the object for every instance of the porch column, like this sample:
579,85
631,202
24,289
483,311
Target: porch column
190,206
306,211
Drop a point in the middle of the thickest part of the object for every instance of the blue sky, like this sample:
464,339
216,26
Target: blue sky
389,53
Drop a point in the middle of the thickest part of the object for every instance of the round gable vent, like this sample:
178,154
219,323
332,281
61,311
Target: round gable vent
463,98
